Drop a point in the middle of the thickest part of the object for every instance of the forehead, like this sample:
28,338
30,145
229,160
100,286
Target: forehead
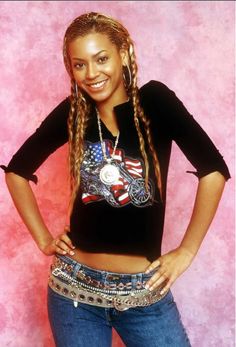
90,45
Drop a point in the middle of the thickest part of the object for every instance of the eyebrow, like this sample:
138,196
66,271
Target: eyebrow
94,56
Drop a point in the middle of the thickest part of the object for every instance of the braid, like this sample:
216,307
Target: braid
70,124
77,124
157,171
134,95
139,114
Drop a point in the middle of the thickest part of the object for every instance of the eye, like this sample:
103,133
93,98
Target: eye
79,66
103,59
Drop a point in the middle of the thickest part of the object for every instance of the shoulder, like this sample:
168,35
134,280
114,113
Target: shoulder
59,112
154,88
156,95
156,92
55,123
63,107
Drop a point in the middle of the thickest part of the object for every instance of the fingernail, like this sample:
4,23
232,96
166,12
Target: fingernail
64,252
146,286
72,253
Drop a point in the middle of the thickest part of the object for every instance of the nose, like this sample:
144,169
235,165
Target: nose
92,71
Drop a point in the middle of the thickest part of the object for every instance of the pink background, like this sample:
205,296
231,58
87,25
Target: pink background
188,45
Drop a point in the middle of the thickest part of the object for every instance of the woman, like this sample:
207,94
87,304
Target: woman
107,269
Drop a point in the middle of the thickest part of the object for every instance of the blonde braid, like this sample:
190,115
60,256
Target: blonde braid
156,163
139,114
77,124
71,126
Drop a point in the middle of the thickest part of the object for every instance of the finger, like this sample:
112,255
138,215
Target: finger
161,280
162,271
153,279
67,240
57,247
153,266
157,281
62,248
166,287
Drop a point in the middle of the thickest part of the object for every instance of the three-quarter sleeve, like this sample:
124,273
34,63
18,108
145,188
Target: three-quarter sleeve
49,136
186,132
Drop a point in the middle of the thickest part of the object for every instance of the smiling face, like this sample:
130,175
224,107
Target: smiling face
96,64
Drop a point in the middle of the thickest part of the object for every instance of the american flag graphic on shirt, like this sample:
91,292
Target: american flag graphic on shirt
129,187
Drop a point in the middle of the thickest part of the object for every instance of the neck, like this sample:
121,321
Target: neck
106,108
110,122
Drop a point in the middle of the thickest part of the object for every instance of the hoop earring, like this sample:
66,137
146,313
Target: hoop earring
77,93
127,76
76,90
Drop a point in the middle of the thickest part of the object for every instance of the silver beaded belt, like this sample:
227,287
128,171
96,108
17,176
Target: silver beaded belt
69,287
81,276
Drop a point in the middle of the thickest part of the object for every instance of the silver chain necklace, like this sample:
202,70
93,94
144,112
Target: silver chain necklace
109,173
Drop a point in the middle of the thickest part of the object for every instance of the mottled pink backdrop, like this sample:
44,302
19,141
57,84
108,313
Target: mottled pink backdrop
189,45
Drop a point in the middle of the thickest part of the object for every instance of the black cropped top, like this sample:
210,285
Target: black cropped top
122,217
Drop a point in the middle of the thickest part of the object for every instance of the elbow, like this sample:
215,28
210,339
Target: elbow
216,179
216,176
13,179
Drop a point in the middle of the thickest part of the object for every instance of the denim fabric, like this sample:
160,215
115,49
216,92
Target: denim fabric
157,325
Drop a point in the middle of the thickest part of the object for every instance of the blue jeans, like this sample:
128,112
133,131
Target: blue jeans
157,325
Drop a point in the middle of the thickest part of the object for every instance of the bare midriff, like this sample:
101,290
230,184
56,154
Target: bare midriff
121,263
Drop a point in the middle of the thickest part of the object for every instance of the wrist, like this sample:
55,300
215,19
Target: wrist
42,244
187,252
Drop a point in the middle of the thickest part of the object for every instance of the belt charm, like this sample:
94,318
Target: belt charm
76,303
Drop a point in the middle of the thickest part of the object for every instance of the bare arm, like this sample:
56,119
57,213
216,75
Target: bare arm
208,196
27,207
174,263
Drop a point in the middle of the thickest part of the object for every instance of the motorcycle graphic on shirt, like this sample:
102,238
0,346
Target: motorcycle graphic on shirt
130,185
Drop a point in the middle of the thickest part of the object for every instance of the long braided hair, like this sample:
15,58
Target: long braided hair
81,104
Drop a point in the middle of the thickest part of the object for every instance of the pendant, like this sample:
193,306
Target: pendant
109,174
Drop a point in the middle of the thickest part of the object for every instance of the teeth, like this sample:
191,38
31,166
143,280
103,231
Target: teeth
98,84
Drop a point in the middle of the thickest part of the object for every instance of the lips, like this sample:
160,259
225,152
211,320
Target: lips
96,86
